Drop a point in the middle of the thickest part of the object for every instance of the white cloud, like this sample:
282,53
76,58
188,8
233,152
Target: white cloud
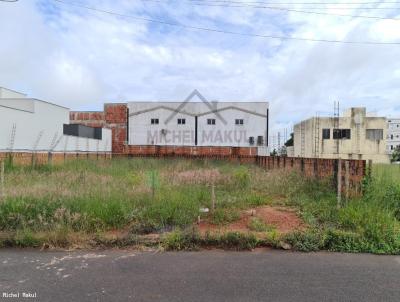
82,59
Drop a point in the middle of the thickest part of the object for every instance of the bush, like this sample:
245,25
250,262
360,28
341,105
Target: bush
241,178
179,240
344,241
238,241
309,241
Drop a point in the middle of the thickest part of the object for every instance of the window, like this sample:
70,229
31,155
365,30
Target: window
391,147
181,121
260,140
326,133
154,121
251,140
211,121
391,136
239,122
341,134
375,134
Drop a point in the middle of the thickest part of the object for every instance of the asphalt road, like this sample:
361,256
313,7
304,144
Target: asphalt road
264,275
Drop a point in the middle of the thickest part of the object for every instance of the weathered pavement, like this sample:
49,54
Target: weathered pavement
198,276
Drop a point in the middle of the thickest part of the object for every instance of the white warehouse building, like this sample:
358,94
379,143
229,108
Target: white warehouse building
32,125
233,124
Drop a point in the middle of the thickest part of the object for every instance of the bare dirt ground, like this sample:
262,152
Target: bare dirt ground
284,220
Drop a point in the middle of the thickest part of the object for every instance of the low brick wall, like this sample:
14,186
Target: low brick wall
321,168
42,158
190,151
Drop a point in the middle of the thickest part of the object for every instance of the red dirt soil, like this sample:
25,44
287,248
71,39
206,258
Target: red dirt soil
283,219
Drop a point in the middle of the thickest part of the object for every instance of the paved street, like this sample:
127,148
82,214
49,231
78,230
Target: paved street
264,275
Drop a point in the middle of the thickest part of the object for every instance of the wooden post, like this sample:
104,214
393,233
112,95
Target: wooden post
50,158
347,179
339,183
212,196
369,168
2,193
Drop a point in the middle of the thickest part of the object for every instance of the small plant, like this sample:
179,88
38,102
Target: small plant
225,216
242,178
309,241
258,225
238,241
181,240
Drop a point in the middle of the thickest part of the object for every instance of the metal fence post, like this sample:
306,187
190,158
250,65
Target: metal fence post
2,171
347,179
339,183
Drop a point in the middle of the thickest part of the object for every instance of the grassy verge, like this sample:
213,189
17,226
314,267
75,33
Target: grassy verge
366,224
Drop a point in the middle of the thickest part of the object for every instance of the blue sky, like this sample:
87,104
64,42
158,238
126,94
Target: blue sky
81,59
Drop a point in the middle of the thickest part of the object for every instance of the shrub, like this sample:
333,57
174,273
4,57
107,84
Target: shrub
344,241
241,178
309,241
181,240
238,241
225,215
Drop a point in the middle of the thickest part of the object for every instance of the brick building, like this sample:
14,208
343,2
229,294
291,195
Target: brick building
187,128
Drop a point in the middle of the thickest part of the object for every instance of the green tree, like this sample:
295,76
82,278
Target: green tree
396,154
290,141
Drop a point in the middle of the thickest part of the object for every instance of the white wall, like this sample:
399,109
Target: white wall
393,131
41,127
8,93
141,132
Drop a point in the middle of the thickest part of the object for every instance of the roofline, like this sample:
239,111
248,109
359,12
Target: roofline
86,111
35,100
14,90
147,102
196,114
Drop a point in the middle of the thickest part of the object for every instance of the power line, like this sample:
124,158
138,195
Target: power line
296,3
287,10
223,31
260,4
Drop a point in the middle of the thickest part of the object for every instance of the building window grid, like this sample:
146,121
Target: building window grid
326,133
154,121
181,121
211,121
239,122
341,133
375,134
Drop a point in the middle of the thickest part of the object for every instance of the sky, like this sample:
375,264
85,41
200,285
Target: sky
81,58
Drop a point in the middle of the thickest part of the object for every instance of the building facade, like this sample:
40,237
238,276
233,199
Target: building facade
32,125
393,134
352,136
234,124
241,125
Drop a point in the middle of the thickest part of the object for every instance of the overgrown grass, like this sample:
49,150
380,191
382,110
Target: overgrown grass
366,224
143,195
85,198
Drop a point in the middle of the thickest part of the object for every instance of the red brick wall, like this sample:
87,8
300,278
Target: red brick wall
113,117
89,118
25,158
190,151
319,168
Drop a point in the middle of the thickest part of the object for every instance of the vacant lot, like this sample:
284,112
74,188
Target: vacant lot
164,203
